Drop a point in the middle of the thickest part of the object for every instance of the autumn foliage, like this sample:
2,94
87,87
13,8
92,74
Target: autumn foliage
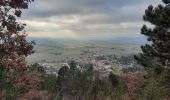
35,95
13,44
14,48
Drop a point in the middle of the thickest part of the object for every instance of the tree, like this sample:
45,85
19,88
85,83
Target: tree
73,65
16,79
50,84
166,1
62,71
37,68
13,44
113,79
155,56
157,53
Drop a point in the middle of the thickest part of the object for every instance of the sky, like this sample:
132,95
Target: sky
85,19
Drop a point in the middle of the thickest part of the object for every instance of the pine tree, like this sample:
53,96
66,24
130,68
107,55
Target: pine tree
156,54
166,1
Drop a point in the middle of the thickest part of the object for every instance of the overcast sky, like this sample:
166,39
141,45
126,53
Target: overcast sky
83,19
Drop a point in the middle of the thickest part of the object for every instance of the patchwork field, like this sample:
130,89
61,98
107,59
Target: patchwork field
57,53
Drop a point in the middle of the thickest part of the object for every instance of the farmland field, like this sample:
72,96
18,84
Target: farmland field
57,53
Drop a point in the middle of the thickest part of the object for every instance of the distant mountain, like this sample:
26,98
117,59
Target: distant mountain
115,40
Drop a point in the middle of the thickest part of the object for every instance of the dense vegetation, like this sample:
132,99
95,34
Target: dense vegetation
18,81
155,57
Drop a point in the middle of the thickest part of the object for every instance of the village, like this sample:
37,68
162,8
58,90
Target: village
101,63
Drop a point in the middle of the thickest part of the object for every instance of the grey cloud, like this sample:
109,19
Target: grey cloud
46,8
90,13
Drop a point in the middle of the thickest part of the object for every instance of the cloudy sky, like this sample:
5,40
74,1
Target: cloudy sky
85,19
